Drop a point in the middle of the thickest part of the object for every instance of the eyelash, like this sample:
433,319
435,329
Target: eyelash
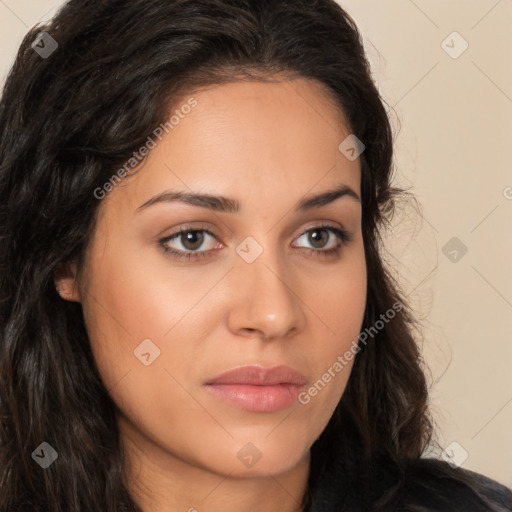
342,235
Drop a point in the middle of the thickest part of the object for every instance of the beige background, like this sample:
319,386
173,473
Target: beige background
453,120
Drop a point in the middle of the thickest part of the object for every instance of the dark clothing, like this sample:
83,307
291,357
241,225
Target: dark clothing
424,485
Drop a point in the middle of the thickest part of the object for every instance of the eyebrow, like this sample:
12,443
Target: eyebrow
229,205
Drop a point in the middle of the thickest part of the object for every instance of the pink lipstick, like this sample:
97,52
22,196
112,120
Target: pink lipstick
258,389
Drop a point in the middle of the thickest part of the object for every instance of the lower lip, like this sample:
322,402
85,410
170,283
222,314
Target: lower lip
257,398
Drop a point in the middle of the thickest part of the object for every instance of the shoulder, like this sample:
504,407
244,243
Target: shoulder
417,485
435,485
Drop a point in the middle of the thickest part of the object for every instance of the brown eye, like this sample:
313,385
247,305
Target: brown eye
191,240
318,237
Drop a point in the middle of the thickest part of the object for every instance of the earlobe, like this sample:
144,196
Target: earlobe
66,283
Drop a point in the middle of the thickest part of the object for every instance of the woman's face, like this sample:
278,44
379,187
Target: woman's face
258,289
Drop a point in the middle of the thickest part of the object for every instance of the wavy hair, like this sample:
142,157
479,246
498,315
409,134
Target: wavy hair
67,122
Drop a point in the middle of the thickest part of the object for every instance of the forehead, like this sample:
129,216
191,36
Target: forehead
266,105
249,138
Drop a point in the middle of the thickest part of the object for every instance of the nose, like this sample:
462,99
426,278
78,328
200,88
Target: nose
268,299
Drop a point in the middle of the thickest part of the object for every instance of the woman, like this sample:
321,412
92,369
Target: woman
195,314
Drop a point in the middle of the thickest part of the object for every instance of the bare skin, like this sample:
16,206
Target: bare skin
267,145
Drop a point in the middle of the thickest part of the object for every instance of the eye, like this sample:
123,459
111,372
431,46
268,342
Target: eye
325,230
191,239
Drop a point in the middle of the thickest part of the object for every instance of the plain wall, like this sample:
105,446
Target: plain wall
453,120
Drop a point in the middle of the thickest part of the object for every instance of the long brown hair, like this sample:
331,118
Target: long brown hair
68,120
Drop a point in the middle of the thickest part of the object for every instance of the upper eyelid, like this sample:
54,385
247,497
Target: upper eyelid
316,224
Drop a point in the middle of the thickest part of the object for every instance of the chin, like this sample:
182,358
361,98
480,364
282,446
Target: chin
249,461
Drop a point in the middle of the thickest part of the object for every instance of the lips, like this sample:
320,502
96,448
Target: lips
259,376
258,389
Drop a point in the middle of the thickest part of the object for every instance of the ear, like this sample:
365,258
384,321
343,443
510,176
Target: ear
66,282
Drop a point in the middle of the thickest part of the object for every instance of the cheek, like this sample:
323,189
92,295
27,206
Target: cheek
124,305
339,306
139,310
338,298
143,341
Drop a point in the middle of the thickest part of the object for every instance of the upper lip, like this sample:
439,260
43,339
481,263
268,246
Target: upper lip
259,376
